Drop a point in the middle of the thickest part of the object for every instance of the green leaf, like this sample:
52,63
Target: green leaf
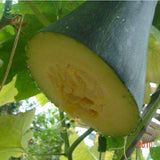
25,139
6,34
147,93
52,8
115,142
155,152
18,88
13,139
153,60
93,151
1,63
1,7
42,99
8,92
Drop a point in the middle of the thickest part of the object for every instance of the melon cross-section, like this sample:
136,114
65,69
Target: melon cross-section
92,62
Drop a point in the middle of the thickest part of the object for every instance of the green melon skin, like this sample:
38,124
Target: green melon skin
87,65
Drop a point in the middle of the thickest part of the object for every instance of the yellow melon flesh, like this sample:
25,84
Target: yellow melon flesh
80,83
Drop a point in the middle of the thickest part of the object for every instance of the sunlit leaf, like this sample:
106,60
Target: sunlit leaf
13,135
8,92
153,60
147,93
108,155
42,99
94,150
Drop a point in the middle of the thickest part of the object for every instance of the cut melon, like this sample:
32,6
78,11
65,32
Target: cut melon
92,62
81,83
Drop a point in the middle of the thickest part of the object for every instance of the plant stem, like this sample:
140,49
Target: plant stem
69,149
78,140
12,54
48,154
136,154
40,16
64,133
100,155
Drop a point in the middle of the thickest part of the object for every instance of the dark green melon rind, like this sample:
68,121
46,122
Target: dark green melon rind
118,32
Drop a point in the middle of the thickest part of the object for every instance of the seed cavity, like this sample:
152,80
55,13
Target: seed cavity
78,90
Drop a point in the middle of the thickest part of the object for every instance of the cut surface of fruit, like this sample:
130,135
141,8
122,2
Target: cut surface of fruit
80,83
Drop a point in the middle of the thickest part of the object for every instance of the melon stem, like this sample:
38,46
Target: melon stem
67,148
63,131
100,155
78,141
